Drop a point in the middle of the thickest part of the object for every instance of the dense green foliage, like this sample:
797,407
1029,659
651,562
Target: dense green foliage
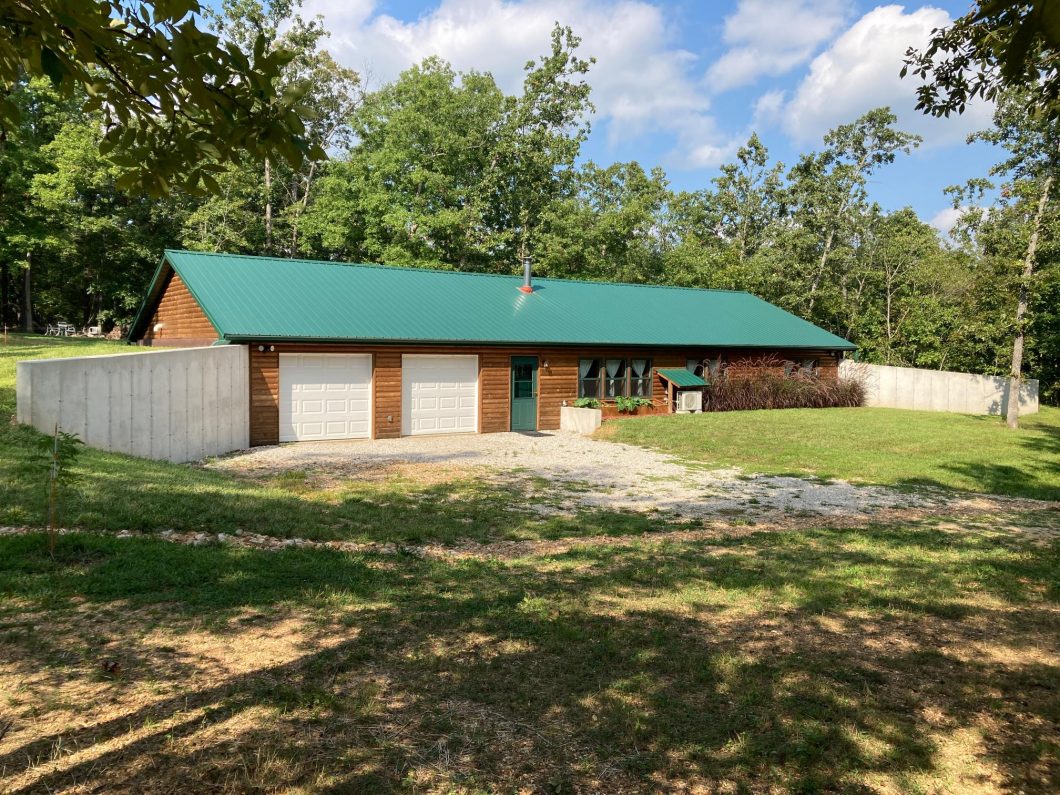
174,102
443,169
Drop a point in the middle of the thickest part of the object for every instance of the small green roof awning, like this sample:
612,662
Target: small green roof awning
680,377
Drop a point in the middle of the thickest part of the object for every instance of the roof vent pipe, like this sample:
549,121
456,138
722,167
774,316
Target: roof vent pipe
528,285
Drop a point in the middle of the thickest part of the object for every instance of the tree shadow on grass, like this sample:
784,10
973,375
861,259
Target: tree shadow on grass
115,492
803,662
1037,476
1032,482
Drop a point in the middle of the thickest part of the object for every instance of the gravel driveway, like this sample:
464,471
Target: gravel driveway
582,472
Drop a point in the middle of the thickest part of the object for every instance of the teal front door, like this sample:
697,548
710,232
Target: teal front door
524,393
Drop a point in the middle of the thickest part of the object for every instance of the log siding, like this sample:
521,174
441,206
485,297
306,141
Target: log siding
178,321
557,379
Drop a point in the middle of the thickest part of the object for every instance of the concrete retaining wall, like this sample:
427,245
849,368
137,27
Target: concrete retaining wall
937,390
174,405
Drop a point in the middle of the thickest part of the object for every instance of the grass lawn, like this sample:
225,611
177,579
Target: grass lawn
883,446
920,656
889,659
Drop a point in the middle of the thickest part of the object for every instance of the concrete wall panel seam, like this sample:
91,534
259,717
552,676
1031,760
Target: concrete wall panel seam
175,404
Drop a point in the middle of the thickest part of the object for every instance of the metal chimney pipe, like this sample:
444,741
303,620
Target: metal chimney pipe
528,285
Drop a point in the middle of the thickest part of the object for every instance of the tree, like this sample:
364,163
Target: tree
416,183
910,298
1002,44
332,91
177,102
42,113
101,243
608,229
449,172
828,188
539,140
749,198
1031,169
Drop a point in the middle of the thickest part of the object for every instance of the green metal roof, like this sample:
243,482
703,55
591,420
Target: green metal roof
265,298
682,377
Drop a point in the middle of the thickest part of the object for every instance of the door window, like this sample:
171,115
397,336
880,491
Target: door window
522,380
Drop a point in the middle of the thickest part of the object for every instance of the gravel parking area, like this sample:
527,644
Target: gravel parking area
570,471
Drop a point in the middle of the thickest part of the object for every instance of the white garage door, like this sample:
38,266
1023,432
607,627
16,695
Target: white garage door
325,396
439,394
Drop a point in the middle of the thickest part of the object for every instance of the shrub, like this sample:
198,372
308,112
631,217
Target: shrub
763,385
586,403
628,405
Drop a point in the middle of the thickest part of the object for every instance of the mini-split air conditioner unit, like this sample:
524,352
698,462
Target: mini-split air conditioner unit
689,401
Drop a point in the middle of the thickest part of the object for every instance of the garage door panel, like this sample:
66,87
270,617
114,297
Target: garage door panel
439,394
325,396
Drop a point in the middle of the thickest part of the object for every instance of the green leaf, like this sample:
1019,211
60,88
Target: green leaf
52,66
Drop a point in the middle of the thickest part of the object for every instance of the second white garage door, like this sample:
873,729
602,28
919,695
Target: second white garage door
325,396
439,394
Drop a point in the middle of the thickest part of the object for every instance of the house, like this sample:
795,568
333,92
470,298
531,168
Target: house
340,351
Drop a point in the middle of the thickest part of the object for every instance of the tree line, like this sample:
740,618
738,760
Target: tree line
443,169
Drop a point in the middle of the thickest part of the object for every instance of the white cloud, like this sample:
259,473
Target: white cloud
641,81
768,108
772,37
945,219
860,71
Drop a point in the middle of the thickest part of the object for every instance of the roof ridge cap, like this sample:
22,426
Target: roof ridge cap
415,268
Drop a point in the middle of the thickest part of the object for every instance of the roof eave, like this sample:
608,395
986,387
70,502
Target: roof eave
254,338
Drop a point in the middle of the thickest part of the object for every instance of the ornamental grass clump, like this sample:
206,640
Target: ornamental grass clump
746,386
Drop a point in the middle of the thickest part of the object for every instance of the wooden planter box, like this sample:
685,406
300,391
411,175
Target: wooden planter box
611,412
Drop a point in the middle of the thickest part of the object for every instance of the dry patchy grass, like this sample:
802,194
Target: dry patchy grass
889,658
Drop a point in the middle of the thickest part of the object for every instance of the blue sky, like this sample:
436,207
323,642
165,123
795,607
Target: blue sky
682,83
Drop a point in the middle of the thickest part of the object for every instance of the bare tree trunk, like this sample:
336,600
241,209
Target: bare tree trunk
27,296
5,291
1016,378
301,208
890,330
268,207
820,269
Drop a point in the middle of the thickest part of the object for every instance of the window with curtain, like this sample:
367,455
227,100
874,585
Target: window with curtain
589,377
694,366
808,367
640,378
615,377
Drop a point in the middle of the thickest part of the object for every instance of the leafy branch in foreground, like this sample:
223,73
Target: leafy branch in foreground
178,102
1000,44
